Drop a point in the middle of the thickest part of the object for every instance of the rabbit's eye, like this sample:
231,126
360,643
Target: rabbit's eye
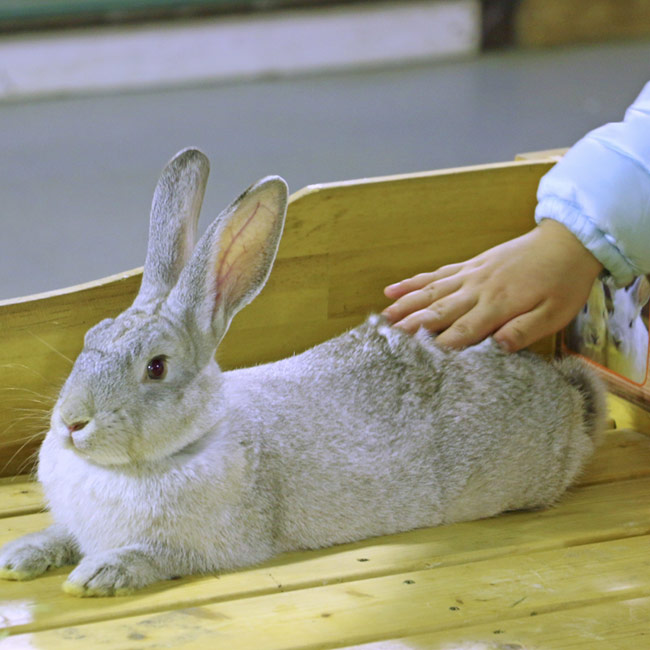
157,368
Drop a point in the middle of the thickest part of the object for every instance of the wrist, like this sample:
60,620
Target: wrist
558,235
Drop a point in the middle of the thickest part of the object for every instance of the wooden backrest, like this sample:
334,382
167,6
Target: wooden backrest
343,243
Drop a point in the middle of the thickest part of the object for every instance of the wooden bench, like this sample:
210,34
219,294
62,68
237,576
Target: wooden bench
577,575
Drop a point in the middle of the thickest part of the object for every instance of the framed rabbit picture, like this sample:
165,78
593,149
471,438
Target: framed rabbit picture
611,333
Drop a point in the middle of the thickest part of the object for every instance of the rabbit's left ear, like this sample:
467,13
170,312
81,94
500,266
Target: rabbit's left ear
172,225
233,259
641,291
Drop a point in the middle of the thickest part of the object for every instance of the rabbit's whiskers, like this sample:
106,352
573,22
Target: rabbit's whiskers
51,347
22,366
27,440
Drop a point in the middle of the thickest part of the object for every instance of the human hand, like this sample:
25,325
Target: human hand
518,291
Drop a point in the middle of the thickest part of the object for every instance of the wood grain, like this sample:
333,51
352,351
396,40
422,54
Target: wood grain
618,625
499,590
589,514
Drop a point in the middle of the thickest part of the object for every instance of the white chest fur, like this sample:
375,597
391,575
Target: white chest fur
166,508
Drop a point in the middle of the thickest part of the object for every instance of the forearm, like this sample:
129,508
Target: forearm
600,191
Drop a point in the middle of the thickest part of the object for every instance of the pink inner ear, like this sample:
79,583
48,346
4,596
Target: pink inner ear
241,254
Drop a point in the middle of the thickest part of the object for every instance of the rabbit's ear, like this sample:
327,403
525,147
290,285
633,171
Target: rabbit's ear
174,217
233,260
641,291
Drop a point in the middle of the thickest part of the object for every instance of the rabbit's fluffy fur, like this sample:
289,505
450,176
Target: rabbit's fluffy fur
369,433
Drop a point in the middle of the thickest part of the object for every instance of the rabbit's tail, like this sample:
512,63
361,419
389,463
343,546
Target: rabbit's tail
592,389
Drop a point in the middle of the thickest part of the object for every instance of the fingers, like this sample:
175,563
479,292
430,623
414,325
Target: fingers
523,330
421,299
462,323
517,291
438,315
399,289
461,316
473,326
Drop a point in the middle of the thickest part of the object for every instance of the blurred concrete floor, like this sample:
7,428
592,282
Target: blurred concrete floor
77,174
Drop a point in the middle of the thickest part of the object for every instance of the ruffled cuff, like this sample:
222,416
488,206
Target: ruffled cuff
598,243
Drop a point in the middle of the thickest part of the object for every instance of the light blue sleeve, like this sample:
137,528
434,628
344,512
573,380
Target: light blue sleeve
600,190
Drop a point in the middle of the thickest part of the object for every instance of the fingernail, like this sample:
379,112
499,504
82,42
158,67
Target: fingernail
506,346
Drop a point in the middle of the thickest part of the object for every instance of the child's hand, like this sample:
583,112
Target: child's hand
519,291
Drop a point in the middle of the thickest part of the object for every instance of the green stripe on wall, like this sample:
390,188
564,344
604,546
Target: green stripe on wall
36,9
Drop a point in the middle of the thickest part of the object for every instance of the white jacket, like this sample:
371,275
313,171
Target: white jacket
601,192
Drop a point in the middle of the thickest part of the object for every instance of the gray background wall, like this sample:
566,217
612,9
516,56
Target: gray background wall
76,175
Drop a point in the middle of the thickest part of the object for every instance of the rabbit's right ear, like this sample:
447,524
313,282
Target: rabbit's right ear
174,217
233,260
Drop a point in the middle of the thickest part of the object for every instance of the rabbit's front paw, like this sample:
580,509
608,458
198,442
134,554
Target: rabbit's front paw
32,555
113,573
24,560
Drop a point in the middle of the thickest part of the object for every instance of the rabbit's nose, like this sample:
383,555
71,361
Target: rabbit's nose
77,426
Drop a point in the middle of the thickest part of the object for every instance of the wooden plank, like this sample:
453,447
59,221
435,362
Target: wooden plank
618,625
441,207
342,243
14,527
622,454
502,589
19,496
627,414
278,342
543,23
586,515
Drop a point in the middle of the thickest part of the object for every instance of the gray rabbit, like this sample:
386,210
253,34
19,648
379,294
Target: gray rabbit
158,464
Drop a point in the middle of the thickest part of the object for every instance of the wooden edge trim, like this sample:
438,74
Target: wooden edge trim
394,178
77,288
547,155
